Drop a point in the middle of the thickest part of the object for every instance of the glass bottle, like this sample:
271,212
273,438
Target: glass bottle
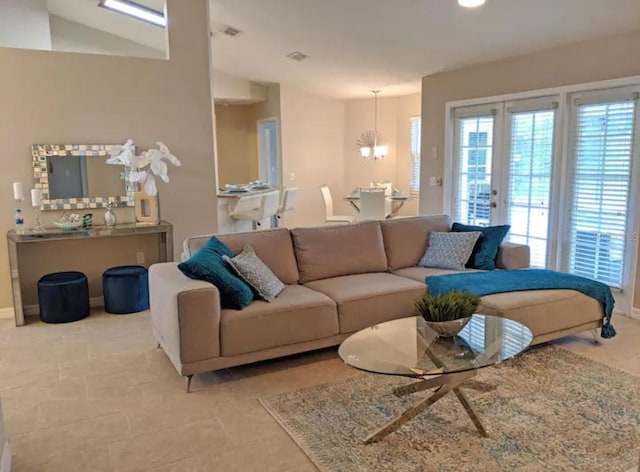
19,222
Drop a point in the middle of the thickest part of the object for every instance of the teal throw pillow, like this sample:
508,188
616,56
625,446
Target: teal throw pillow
207,264
486,249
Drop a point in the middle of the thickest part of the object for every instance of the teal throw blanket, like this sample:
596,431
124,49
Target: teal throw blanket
500,281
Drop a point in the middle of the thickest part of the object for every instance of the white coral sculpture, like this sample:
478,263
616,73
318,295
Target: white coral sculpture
144,167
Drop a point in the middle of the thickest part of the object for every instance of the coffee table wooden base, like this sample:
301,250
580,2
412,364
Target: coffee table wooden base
443,384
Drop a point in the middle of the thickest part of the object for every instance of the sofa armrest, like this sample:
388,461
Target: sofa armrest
185,315
513,256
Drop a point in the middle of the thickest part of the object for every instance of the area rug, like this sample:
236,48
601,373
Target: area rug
553,410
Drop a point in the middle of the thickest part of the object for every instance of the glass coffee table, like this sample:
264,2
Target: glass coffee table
409,348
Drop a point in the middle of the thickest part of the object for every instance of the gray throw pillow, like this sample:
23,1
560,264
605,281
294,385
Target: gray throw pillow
252,270
449,250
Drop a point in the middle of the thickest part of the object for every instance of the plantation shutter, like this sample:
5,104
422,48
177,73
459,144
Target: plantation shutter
600,172
416,132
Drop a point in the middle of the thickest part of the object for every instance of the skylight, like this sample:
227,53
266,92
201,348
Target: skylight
136,11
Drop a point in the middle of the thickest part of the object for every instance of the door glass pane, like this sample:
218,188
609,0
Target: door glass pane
530,164
601,177
475,152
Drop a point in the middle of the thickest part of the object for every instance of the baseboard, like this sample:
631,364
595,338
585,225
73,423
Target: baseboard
34,310
7,313
635,313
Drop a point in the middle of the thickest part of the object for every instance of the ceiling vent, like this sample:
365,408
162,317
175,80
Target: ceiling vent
297,56
231,31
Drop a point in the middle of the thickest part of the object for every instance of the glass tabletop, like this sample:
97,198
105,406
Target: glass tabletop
409,348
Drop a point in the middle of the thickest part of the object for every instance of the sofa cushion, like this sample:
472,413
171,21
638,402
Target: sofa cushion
299,314
544,311
406,239
207,264
420,273
272,246
368,299
486,249
332,251
252,270
449,250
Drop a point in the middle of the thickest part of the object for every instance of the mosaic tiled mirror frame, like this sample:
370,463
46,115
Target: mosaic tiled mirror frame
39,153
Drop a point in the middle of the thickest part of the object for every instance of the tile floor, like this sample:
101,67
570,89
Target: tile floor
97,396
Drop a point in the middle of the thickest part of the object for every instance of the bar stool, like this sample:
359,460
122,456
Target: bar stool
268,207
289,197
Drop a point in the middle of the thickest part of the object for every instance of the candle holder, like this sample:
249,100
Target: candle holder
38,228
36,203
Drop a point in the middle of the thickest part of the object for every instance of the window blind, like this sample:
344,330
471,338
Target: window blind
416,133
601,178
475,157
530,165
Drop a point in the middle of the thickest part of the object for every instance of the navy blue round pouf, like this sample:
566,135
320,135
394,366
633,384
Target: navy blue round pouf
63,297
126,289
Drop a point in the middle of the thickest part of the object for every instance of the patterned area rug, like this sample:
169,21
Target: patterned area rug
553,411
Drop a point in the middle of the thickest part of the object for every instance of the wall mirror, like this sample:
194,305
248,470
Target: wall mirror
75,176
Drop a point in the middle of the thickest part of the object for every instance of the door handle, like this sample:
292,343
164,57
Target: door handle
493,204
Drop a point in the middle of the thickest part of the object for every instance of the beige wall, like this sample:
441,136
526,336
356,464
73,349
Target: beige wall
313,130
394,115
231,87
73,37
589,61
54,97
237,144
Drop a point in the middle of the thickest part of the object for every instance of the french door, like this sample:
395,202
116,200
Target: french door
563,172
504,162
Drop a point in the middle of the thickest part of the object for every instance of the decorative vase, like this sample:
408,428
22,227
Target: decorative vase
448,329
146,208
110,217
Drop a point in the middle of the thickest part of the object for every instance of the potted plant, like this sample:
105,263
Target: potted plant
448,314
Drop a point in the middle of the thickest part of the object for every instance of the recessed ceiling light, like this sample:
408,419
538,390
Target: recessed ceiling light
135,10
471,3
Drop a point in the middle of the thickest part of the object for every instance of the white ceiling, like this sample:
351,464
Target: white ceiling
359,45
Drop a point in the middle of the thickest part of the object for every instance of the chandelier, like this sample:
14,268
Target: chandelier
369,141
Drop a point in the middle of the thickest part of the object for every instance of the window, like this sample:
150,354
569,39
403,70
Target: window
414,179
474,154
600,172
530,164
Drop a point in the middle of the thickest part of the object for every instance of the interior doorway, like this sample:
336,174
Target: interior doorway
269,151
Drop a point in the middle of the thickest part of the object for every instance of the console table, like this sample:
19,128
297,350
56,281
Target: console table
15,241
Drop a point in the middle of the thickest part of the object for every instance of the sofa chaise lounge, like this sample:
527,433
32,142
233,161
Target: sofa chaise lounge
339,279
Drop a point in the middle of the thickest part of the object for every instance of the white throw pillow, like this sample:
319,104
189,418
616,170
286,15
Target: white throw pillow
449,250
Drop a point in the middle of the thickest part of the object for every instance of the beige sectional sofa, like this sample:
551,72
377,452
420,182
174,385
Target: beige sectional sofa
339,279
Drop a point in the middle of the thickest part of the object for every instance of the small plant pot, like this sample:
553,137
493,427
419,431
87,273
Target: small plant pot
448,329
